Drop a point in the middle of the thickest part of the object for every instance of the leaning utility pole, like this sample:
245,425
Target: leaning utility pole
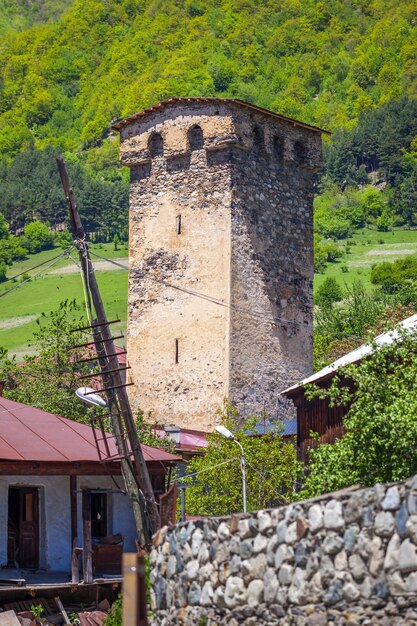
134,469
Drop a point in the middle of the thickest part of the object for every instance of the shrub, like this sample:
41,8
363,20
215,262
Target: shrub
39,236
328,293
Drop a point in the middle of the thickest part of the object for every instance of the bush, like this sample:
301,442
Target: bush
38,236
3,270
328,293
391,276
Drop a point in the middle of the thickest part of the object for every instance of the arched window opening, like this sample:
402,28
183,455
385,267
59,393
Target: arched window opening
195,138
278,147
300,152
258,138
156,145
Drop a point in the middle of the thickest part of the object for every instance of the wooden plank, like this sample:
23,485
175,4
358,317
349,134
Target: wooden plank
87,539
134,593
75,576
62,610
9,618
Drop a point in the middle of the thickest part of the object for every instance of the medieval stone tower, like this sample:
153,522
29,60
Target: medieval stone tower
221,257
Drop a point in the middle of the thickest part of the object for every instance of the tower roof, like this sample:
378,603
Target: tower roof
234,101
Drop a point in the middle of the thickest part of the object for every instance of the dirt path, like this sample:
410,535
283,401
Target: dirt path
391,252
12,322
98,265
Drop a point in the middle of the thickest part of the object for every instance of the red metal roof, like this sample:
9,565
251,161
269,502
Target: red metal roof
30,434
241,103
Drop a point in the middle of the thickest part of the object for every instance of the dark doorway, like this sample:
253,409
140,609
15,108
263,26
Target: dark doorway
23,527
98,515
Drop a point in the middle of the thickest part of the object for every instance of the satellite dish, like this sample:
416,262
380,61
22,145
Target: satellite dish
87,395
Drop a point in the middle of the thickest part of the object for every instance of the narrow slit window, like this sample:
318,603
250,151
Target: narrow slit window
278,147
178,224
258,138
176,351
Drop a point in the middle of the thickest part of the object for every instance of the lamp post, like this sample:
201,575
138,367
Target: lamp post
87,395
225,432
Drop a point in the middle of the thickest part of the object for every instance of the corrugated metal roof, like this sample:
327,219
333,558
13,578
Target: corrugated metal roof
409,325
289,427
160,105
190,439
30,434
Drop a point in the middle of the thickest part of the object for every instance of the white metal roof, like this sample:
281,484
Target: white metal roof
409,324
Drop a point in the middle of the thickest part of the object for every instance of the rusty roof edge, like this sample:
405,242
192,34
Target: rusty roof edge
118,125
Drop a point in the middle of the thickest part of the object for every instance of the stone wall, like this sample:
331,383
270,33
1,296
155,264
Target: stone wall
345,558
227,216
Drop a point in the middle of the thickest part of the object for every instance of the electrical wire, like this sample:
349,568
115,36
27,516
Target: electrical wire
213,300
58,258
208,469
208,298
35,267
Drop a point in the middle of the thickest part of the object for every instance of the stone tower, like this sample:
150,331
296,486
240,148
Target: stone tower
221,257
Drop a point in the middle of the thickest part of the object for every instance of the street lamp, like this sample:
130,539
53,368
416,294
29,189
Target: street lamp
87,395
225,432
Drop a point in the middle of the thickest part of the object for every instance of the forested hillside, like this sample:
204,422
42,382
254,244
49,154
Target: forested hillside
68,69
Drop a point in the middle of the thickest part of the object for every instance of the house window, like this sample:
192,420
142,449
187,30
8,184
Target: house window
195,138
99,526
156,145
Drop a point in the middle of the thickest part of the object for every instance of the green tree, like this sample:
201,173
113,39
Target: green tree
381,429
391,276
271,466
3,270
328,293
38,236
49,378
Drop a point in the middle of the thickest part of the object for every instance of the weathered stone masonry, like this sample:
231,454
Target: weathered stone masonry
346,558
221,204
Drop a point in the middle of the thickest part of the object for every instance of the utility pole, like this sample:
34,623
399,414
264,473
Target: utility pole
134,469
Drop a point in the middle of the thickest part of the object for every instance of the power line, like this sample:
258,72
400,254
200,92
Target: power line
36,266
58,258
208,298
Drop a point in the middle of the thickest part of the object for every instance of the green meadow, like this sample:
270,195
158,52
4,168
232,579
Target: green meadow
366,248
20,308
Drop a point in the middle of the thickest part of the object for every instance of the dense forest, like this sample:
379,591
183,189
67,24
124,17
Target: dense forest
70,68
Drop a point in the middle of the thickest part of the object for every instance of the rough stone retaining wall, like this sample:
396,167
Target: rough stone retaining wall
345,558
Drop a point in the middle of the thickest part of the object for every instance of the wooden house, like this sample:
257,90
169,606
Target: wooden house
316,415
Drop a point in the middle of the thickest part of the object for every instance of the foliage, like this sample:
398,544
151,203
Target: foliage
341,328
3,271
392,276
115,616
325,251
67,69
146,428
31,188
38,236
381,429
328,293
49,379
271,467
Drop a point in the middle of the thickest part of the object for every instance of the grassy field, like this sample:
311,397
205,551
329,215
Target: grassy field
20,309
369,247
